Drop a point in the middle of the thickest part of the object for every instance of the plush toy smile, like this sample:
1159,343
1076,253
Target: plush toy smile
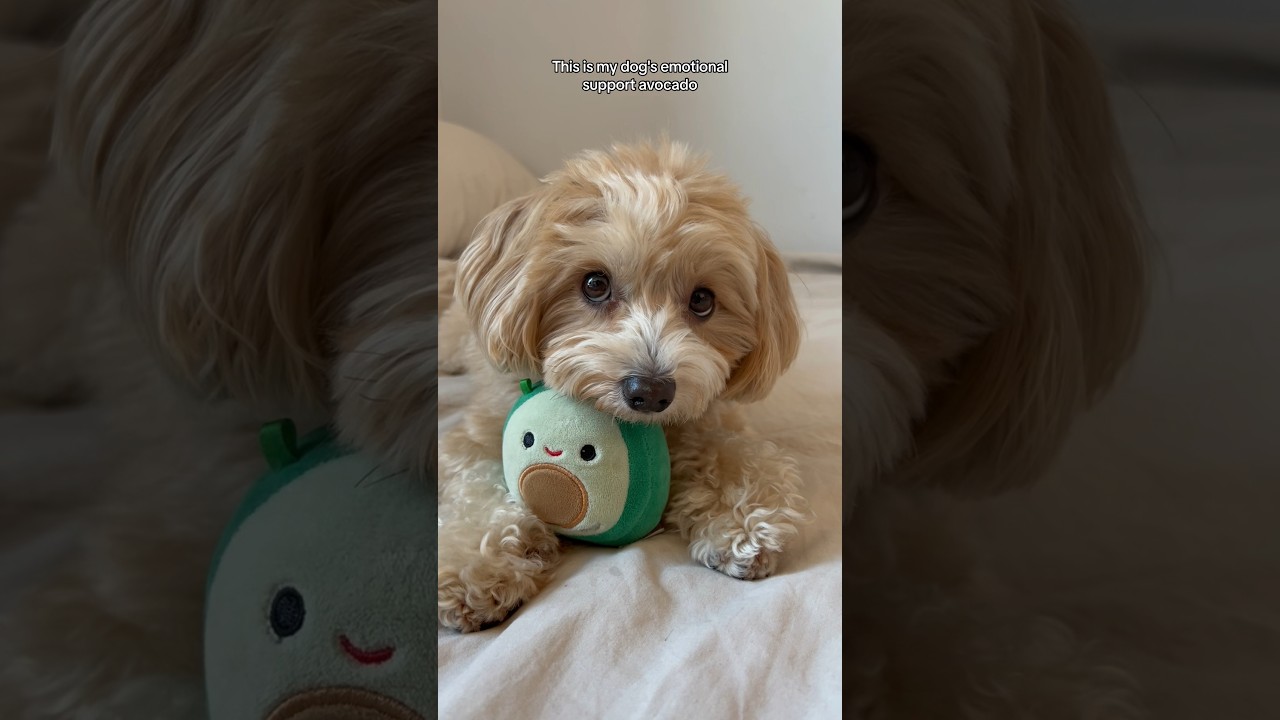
317,596
365,657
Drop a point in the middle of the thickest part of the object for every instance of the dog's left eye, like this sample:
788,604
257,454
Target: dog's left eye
595,287
702,302
858,181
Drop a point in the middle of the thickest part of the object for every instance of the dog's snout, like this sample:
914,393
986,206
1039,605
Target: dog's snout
648,394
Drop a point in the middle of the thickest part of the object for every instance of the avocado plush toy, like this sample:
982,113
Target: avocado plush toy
317,600
587,474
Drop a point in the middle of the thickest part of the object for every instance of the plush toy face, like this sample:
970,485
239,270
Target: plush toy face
318,605
582,471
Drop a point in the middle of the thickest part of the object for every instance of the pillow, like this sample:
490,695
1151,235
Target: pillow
476,176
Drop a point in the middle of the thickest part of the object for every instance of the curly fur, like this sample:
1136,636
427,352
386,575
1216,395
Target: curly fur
261,177
994,291
1006,258
268,214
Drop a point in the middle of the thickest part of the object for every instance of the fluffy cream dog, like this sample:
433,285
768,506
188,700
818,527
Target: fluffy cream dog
635,280
261,177
995,268
995,271
995,281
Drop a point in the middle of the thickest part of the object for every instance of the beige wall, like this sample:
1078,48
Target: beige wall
772,121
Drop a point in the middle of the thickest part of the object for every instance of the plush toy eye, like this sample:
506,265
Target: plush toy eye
702,302
287,612
528,439
588,452
595,287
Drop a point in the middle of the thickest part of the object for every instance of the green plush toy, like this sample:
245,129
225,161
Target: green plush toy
585,473
317,599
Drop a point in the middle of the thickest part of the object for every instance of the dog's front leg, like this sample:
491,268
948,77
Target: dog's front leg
734,496
494,554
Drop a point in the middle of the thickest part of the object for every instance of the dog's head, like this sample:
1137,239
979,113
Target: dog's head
994,260
633,279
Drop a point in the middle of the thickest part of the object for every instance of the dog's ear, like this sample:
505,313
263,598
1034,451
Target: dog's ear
241,209
495,291
777,329
1074,256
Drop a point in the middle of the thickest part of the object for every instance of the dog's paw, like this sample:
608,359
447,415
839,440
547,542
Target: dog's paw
508,569
464,610
747,552
755,566
744,539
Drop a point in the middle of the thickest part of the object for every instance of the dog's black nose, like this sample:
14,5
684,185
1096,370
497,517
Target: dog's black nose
648,394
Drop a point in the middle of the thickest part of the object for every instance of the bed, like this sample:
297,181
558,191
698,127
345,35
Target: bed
643,631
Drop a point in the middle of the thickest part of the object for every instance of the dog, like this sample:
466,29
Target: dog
266,227
995,282
995,276
634,280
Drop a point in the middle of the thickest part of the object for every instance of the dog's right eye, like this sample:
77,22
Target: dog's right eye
858,181
595,287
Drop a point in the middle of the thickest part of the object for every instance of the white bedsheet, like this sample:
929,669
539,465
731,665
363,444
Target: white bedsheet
644,632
